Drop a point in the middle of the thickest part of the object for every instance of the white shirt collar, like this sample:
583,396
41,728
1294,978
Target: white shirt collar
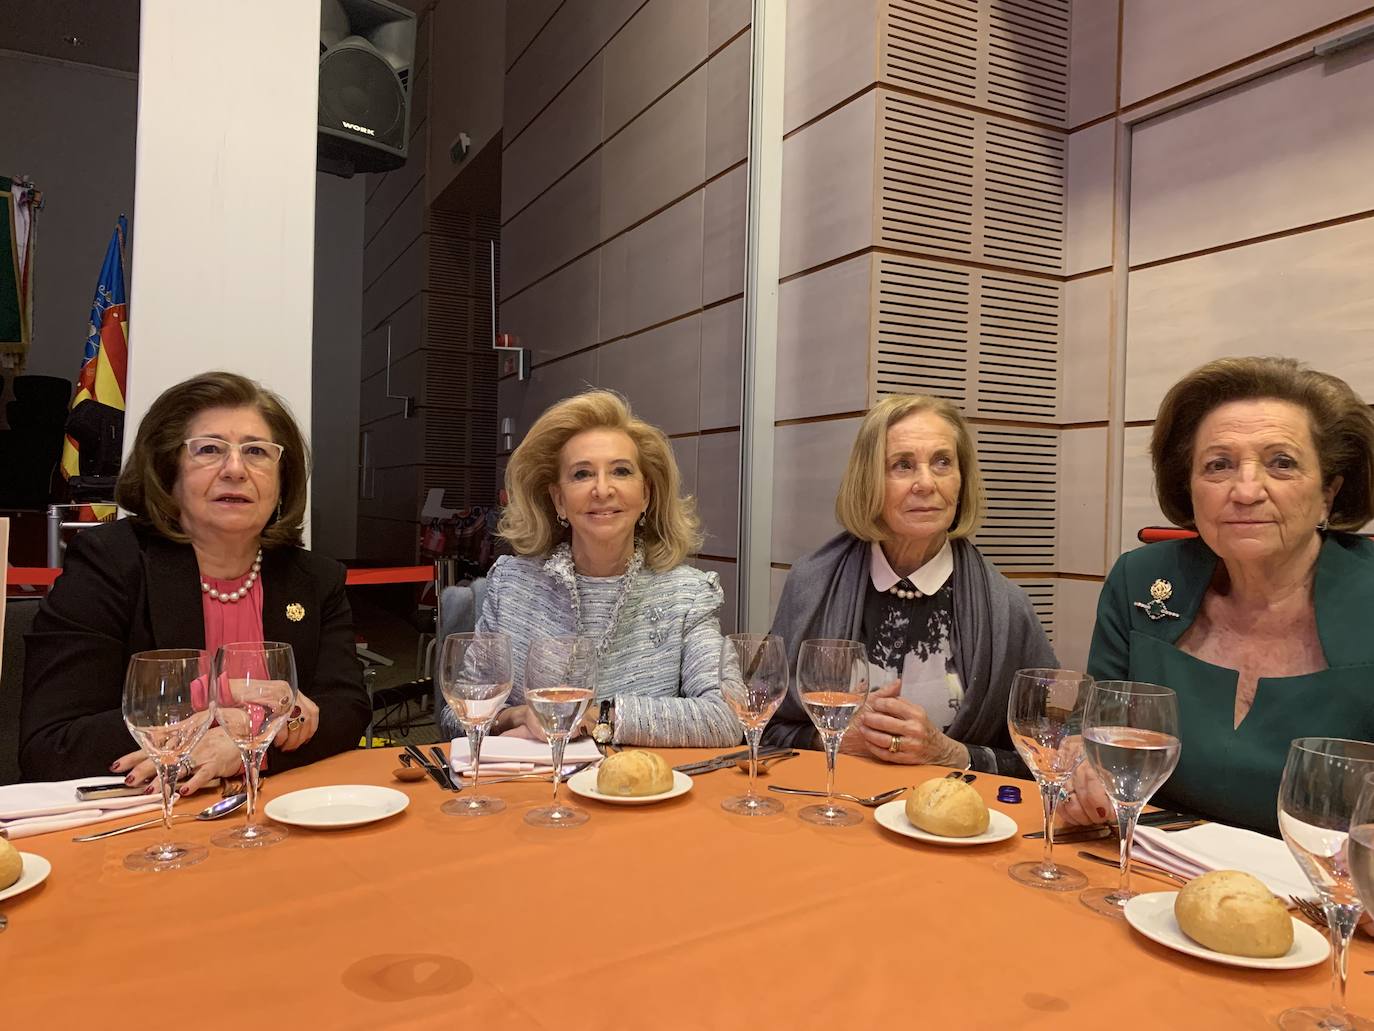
928,579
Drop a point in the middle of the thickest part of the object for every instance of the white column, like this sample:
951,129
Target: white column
224,197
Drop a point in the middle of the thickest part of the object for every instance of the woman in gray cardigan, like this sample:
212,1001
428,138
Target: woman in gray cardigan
601,532
944,630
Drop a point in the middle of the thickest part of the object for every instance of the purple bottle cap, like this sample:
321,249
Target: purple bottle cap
1009,793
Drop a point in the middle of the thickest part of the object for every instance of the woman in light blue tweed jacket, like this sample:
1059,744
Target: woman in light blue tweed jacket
601,532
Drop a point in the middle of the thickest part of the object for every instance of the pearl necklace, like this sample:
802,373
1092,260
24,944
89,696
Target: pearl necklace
902,592
242,592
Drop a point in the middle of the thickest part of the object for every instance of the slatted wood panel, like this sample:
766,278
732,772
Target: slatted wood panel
1006,55
968,185
1044,596
459,397
989,341
1020,471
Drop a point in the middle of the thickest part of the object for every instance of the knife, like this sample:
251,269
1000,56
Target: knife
720,762
427,766
1162,820
444,767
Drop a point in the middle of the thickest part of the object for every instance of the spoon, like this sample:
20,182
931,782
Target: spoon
223,807
743,764
872,801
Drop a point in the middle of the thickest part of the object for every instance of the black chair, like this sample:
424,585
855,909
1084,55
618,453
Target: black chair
19,613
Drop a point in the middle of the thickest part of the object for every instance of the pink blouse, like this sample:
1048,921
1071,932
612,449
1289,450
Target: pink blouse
228,622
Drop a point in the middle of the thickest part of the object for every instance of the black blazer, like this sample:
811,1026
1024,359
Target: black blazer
126,589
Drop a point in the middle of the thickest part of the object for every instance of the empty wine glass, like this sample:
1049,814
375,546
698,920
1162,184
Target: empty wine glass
1045,717
167,708
1321,785
560,679
832,679
753,680
1130,735
254,691
475,677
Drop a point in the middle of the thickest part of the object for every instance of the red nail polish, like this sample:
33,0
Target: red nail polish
129,779
114,766
1101,812
148,790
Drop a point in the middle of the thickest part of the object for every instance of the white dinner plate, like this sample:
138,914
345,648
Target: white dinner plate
36,870
584,784
337,806
1152,914
892,815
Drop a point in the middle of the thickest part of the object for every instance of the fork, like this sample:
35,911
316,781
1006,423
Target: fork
872,801
1310,909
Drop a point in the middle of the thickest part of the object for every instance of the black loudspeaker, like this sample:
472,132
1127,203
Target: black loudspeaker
367,52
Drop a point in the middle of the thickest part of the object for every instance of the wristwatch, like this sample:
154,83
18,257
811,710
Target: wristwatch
604,731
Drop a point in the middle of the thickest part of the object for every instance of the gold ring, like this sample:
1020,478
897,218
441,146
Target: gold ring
896,744
295,723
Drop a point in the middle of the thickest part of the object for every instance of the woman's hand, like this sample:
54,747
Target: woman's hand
289,738
1087,802
519,721
215,757
919,741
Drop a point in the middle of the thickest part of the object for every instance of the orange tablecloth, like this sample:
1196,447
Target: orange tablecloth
676,915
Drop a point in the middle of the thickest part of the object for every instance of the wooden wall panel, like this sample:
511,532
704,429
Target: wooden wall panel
1092,60
727,106
525,402
832,53
1087,350
824,328
808,461
1075,614
562,136
718,492
1020,468
659,372
406,336
828,188
524,18
1169,42
1307,296
1287,150
1081,515
729,575
725,219
559,226
1089,198
662,273
657,158
722,350
725,18
664,41
558,314
1138,505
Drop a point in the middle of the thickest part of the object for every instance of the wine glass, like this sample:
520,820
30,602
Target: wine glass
167,708
753,680
1045,717
1360,850
1130,735
475,677
560,679
255,691
1321,785
833,680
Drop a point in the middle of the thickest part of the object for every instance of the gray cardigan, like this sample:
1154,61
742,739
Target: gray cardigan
663,663
996,632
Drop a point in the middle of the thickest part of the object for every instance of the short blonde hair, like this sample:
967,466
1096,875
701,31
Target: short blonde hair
671,529
1342,430
859,506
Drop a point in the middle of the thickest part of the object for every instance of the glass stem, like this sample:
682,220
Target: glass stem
252,759
832,749
1126,816
752,735
167,782
476,735
557,743
1050,792
1341,918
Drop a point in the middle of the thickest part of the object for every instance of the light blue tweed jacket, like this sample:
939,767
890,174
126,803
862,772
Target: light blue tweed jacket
662,664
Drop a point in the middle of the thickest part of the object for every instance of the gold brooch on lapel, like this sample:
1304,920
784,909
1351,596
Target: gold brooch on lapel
1160,592
295,612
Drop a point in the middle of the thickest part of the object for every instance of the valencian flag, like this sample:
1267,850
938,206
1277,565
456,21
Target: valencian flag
104,367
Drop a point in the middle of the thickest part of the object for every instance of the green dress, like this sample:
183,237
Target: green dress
1228,773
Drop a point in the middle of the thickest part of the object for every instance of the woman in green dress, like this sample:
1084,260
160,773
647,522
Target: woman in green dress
1263,624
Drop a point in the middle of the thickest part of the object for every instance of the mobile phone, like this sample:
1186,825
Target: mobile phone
90,792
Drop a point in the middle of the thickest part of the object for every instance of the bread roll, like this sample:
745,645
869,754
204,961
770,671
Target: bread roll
949,808
11,864
634,773
1233,912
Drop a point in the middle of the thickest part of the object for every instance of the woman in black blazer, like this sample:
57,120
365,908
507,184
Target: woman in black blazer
215,486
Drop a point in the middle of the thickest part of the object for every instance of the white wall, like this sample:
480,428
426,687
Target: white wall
69,127
223,262
338,341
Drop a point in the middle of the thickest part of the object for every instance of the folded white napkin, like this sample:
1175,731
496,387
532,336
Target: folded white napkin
517,755
28,809
1215,846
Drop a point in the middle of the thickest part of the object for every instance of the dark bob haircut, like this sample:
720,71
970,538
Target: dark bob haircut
1342,430
151,469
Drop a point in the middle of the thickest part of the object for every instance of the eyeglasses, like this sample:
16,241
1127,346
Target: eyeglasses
211,451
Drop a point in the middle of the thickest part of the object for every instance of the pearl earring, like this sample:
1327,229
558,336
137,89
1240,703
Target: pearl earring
562,522
642,516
